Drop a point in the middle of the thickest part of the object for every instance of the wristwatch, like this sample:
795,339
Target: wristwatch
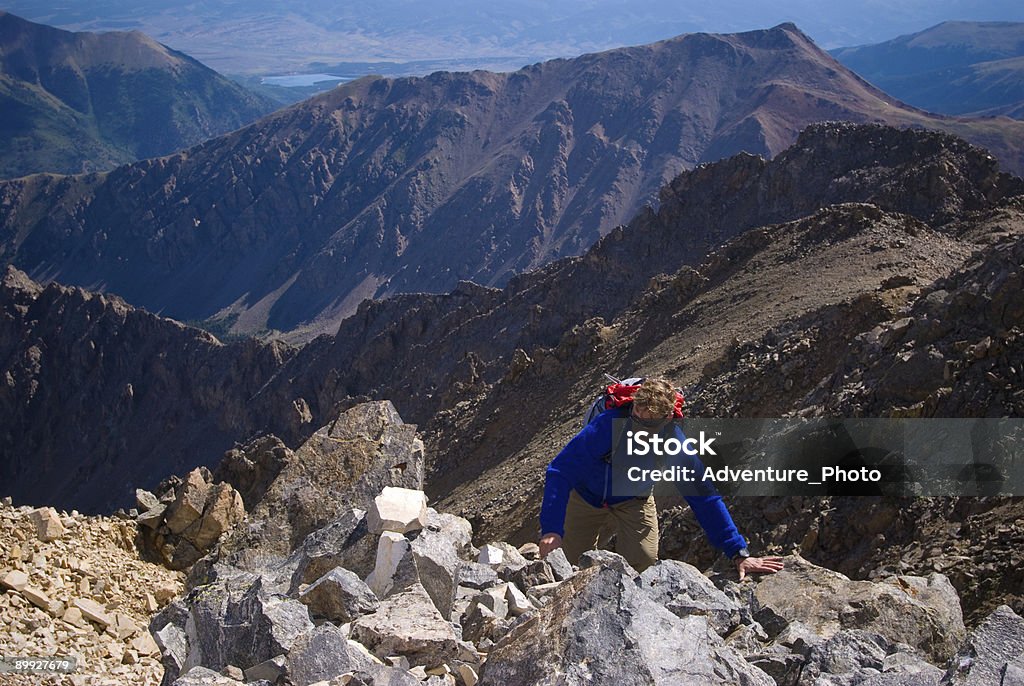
741,553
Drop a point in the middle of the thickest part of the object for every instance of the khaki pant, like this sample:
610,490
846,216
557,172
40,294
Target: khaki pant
634,523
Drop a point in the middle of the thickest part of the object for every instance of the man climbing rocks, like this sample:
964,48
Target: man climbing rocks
582,496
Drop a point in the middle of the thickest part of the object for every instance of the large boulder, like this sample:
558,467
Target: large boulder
601,628
231,622
325,653
408,624
683,590
340,596
344,542
343,466
437,552
922,612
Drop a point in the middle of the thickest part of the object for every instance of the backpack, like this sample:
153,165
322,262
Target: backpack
621,392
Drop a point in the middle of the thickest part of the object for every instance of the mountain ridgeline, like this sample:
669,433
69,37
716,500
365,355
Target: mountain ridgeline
957,67
290,223
79,102
452,362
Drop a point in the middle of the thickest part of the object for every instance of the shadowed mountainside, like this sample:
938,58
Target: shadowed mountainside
957,67
291,222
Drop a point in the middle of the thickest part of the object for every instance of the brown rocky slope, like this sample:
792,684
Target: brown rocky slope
293,221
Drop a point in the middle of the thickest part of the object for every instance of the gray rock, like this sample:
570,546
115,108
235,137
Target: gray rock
270,671
408,624
560,566
602,629
342,466
849,651
168,630
476,575
606,558
493,599
323,654
992,654
339,596
231,622
535,573
436,552
683,590
344,542
783,668
922,612
201,676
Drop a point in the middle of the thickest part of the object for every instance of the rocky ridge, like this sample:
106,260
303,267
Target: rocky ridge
290,223
121,381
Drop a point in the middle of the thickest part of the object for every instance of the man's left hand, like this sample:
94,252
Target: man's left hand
757,565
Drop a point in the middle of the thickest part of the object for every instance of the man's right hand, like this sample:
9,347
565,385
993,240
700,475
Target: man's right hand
549,542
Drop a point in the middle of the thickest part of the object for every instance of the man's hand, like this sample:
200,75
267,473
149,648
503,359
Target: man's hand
549,542
748,565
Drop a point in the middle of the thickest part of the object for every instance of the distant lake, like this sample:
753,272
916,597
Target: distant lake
301,80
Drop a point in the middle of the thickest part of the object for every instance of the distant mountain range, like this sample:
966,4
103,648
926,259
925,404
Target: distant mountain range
270,37
79,102
957,67
385,186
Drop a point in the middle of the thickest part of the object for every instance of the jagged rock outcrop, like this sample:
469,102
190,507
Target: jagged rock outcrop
601,628
142,396
341,467
292,221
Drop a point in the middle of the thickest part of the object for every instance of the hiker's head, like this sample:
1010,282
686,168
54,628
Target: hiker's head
653,402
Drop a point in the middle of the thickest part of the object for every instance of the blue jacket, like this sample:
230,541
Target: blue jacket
582,465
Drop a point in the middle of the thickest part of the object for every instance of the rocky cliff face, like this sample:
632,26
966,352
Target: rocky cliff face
290,223
94,390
